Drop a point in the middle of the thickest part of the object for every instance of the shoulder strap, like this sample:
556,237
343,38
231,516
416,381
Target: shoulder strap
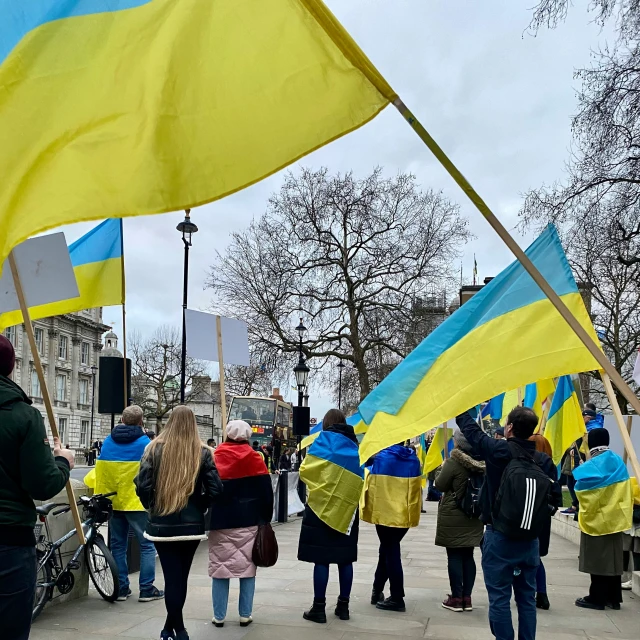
520,452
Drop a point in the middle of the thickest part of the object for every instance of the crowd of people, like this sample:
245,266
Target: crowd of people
173,492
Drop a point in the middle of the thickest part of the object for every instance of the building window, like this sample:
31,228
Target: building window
63,347
84,391
61,387
39,336
84,430
10,335
35,384
84,353
62,430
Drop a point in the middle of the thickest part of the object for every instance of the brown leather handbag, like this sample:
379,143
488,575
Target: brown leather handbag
265,547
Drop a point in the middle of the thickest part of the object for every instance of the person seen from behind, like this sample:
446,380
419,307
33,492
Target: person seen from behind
392,501
28,472
246,503
542,599
457,531
116,467
604,490
285,461
177,482
572,459
518,495
592,419
329,533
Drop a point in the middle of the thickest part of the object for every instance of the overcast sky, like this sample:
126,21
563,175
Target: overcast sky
495,98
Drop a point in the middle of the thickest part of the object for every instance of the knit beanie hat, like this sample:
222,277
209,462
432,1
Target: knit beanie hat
598,438
239,431
460,441
7,357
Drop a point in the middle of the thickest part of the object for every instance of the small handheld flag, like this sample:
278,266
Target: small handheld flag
565,424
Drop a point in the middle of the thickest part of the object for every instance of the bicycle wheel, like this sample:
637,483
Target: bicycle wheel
102,569
43,593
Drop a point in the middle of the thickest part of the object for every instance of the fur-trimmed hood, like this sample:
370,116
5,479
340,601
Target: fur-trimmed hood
475,466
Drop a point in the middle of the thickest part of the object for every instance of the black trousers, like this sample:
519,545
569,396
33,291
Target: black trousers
390,561
462,571
17,587
605,589
176,559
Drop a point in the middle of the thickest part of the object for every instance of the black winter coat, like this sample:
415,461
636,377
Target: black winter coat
321,544
187,524
497,455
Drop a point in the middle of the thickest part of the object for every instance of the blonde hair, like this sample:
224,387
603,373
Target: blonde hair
179,464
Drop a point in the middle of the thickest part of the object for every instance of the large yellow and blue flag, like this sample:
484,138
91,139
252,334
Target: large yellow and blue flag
97,259
605,494
435,454
391,495
565,423
334,478
537,393
499,406
134,107
354,420
506,335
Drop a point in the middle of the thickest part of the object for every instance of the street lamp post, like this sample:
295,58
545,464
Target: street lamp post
187,229
94,370
301,370
341,366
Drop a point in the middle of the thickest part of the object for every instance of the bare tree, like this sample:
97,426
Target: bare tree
247,381
348,255
597,204
155,372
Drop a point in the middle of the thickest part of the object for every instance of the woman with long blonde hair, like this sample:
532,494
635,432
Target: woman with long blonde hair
177,481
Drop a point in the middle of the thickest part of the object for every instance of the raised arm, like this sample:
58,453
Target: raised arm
483,446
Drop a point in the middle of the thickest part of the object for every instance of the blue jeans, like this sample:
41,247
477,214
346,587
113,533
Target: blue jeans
321,580
119,526
220,596
502,558
17,587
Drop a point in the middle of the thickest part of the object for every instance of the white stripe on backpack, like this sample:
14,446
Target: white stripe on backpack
529,503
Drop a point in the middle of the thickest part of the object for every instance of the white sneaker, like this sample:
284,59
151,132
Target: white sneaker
627,586
218,623
245,622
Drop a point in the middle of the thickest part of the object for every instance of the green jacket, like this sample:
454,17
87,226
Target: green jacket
28,470
454,528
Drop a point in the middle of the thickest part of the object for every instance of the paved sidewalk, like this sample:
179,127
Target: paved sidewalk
283,592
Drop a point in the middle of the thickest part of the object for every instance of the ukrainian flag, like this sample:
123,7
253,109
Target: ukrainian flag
564,423
355,421
605,494
331,470
507,334
392,495
536,394
97,259
133,107
435,454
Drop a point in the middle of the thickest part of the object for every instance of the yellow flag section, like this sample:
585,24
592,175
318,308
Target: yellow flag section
565,424
605,494
435,454
509,402
331,470
132,107
508,334
97,260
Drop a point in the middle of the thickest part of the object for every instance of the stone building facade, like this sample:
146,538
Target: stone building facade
69,347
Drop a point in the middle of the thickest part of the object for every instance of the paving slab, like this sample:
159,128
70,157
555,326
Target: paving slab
283,592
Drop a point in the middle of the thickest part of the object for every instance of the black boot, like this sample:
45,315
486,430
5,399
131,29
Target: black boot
342,608
376,596
317,612
392,605
542,601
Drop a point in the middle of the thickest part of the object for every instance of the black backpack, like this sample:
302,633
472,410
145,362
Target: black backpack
469,503
522,509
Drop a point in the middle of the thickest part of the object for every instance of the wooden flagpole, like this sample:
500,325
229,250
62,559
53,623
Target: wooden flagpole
526,262
43,385
445,449
629,424
626,438
223,399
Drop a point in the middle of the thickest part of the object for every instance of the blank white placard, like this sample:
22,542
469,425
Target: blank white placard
202,339
45,272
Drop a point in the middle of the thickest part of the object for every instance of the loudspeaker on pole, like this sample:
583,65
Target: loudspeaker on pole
111,384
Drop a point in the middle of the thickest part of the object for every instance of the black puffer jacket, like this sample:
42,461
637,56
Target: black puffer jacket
187,524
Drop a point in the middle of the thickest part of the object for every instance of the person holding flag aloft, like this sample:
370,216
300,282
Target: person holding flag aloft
391,500
329,534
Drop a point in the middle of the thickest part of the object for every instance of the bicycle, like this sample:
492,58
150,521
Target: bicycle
52,573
